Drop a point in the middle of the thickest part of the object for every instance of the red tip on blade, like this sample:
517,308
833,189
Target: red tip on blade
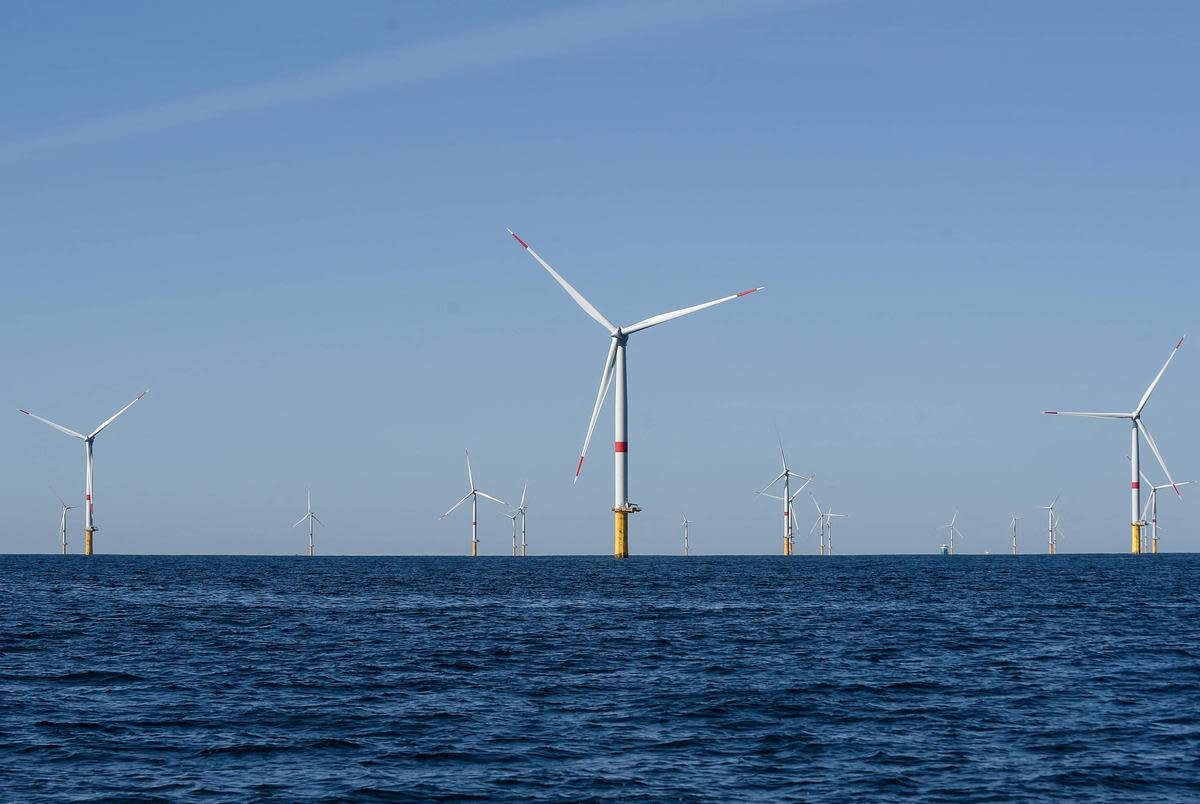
747,292
1177,491
578,468
518,238
1051,412
1180,342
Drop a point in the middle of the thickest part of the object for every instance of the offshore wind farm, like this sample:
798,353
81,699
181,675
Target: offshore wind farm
363,254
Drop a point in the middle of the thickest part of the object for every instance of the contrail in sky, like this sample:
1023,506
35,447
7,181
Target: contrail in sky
543,36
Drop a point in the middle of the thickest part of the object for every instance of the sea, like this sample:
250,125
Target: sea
842,679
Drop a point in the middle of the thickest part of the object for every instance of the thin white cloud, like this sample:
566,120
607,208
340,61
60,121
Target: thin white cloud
545,36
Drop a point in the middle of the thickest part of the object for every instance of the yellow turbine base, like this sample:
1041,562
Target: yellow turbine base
621,534
87,542
1137,539
787,546
1154,546
522,551
474,549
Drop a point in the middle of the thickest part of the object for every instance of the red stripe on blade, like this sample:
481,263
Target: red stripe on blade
519,240
579,468
747,292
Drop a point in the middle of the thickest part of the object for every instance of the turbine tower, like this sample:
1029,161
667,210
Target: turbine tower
1051,525
825,520
954,531
311,518
513,514
1152,507
786,476
1135,417
473,496
521,509
62,522
686,547
614,364
1013,525
89,524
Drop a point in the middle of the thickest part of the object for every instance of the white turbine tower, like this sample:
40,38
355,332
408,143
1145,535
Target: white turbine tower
1152,507
1051,524
614,364
1013,524
473,495
513,514
954,531
89,524
310,517
788,495
825,521
62,522
686,546
1137,426
521,509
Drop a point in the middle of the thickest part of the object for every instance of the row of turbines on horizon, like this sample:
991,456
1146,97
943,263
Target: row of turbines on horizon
613,373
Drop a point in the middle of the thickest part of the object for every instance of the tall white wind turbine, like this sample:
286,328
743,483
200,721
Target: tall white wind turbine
62,522
1051,526
954,531
1013,524
686,546
614,365
788,495
825,521
310,517
521,509
1135,417
89,524
473,495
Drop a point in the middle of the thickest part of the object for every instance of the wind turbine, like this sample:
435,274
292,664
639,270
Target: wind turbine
686,548
1051,525
614,364
62,523
473,495
89,525
513,514
786,476
954,531
1013,525
1137,426
1152,507
311,518
521,509
825,520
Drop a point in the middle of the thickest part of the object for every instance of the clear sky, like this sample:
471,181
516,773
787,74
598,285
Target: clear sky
288,220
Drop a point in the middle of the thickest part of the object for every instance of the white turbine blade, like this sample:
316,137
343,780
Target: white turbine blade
466,497
113,417
605,379
1149,502
1157,454
816,522
301,519
1155,488
803,485
587,306
315,519
470,477
524,488
778,477
782,457
57,427
770,496
1146,396
832,515
818,505
493,499
954,518
1089,415
654,320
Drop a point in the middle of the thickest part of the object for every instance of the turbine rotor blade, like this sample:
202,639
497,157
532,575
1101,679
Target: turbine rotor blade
1089,414
587,306
1154,448
778,477
113,417
605,380
493,499
57,427
466,497
664,317
301,519
470,477
1146,396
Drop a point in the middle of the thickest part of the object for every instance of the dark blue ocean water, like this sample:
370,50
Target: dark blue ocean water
982,678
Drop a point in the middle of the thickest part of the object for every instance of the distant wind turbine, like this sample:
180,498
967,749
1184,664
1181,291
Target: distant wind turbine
954,531
473,496
614,364
310,517
1051,524
89,525
521,509
825,521
1135,417
1152,507
62,522
788,495
1015,519
686,547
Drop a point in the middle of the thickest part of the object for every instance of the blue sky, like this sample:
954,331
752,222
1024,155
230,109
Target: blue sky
288,220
